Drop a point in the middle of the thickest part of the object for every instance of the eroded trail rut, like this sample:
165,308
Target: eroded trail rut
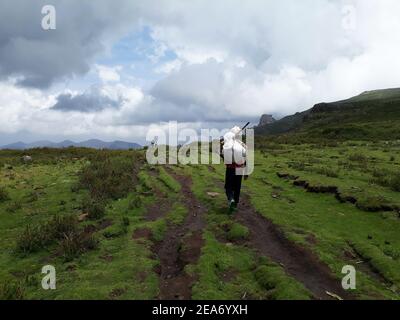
297,261
180,247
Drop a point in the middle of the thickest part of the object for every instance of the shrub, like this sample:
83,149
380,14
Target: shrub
13,207
4,196
76,243
11,290
135,203
358,157
387,178
34,238
395,182
32,197
58,226
94,208
30,240
109,177
125,221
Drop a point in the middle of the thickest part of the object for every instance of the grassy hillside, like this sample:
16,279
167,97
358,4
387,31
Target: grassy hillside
117,228
373,115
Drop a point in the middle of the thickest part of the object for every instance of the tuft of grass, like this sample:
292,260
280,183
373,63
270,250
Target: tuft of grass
237,232
168,181
218,259
332,173
177,214
380,262
373,204
158,229
280,287
4,196
118,229
145,182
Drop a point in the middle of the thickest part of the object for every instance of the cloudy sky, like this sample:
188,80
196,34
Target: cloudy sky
112,69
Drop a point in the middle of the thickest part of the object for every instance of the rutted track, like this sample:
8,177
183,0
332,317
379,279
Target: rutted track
180,247
162,206
298,262
269,240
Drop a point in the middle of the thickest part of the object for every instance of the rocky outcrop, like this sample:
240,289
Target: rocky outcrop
266,119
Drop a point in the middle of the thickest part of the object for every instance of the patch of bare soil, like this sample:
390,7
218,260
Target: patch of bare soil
143,233
180,247
105,223
158,209
298,262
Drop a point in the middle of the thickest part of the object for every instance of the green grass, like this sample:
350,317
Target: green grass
331,223
168,181
279,286
237,232
116,266
371,116
226,270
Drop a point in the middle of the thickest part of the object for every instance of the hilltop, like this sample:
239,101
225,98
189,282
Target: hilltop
370,115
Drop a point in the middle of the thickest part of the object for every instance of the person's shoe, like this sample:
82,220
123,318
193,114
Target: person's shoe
235,207
232,206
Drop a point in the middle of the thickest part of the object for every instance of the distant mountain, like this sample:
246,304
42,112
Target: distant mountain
16,146
370,115
93,143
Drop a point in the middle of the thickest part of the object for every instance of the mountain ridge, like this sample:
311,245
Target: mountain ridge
371,115
91,143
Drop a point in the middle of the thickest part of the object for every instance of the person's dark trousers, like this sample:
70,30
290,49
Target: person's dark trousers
233,184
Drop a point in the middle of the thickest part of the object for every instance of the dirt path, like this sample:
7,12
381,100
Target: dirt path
297,261
161,207
180,247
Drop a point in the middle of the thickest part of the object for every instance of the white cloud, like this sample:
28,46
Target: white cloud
170,66
292,54
232,59
108,74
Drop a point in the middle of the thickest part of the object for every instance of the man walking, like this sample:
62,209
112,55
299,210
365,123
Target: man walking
234,155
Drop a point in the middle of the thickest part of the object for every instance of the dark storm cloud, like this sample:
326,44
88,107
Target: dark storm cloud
84,103
38,57
162,111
